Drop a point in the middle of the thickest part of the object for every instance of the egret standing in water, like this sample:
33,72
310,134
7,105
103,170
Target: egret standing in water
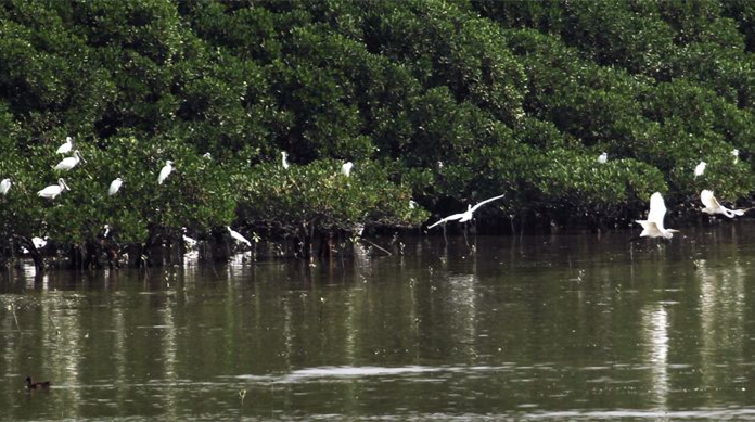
114,186
165,172
53,191
712,206
653,226
283,160
238,237
467,215
5,186
700,168
69,162
602,158
346,168
66,147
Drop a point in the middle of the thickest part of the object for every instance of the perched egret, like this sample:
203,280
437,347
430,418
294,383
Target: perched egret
700,168
440,165
467,215
412,204
66,147
346,168
39,242
165,172
5,186
114,186
653,226
189,242
106,231
69,162
602,158
207,155
712,206
735,153
53,191
238,237
284,155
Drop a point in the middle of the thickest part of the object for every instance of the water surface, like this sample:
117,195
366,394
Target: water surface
552,327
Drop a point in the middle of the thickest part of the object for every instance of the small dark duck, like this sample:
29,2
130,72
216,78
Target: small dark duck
35,385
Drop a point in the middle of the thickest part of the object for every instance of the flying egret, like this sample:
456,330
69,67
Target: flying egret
69,162
700,168
238,237
467,215
346,168
66,147
53,191
735,153
165,172
602,158
114,186
653,226
712,206
5,186
283,159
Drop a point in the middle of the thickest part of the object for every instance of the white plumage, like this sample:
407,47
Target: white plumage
66,147
700,168
53,191
346,169
602,158
468,214
712,206
39,242
735,153
653,226
69,162
238,237
5,185
284,155
114,186
165,172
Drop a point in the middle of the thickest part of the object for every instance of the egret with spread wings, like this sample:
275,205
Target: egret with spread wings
653,226
712,206
467,215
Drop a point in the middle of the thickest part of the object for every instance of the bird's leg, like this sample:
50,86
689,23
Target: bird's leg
445,237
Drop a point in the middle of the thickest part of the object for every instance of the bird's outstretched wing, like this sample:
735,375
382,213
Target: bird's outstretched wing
657,210
449,218
708,199
478,205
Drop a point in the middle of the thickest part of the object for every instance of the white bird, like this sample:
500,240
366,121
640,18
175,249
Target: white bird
189,242
712,206
653,226
602,158
106,231
53,191
66,147
165,172
735,153
700,168
5,186
114,186
346,168
39,242
69,162
285,163
412,204
207,155
238,237
467,215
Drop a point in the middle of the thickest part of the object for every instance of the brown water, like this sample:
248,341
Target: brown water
558,327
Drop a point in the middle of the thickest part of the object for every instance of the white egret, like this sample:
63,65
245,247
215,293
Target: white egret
284,155
238,237
602,158
712,206
165,172
189,242
106,231
700,168
735,153
69,162
412,204
467,215
653,226
5,186
66,147
207,155
114,186
53,191
39,242
346,168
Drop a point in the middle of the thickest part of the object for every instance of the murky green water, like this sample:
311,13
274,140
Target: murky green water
558,327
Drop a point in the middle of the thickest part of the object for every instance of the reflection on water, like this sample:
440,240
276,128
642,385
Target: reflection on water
569,327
